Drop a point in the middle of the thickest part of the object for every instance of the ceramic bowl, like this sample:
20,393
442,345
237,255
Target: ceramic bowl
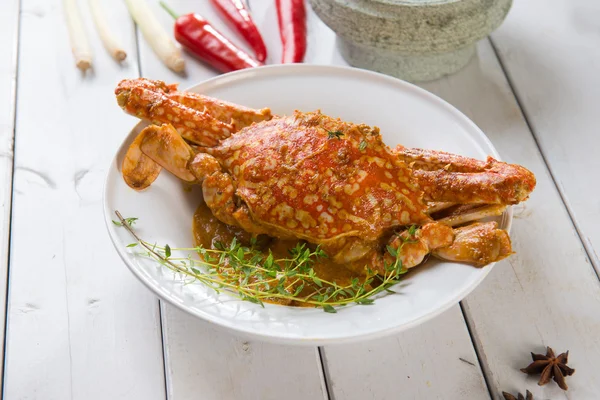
415,40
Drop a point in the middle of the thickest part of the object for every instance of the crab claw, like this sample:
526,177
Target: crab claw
167,148
478,244
447,177
138,170
149,100
199,119
194,117
161,146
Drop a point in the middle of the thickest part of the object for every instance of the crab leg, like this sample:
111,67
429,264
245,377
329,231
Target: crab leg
446,177
167,148
414,248
435,206
149,100
471,212
478,243
432,160
238,116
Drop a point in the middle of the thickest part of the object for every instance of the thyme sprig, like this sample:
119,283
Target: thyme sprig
247,273
335,134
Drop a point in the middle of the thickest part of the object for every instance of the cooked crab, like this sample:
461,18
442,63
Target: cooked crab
312,177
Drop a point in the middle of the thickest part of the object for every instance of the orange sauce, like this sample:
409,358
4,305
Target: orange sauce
208,230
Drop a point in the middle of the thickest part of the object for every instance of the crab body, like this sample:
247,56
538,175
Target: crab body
314,177
306,176
309,176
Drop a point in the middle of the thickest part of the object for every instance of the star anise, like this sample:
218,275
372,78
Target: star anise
550,366
508,396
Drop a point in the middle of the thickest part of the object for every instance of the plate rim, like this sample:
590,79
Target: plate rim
289,69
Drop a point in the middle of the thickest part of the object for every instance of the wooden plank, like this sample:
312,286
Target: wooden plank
9,19
553,65
79,324
197,355
435,360
424,362
203,361
547,294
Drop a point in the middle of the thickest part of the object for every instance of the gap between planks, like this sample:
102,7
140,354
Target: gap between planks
327,390
13,63
480,359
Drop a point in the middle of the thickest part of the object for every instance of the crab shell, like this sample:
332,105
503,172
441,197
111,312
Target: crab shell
314,177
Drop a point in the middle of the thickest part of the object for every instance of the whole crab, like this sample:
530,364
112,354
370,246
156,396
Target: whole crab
312,177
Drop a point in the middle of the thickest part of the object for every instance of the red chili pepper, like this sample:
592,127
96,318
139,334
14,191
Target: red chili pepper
199,37
236,13
291,15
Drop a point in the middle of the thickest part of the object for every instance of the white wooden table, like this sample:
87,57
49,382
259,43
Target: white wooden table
80,326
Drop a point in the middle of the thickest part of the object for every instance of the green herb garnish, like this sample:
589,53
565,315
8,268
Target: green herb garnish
362,145
335,134
412,230
248,274
128,221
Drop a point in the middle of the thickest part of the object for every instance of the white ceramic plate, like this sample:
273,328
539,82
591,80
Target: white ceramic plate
405,113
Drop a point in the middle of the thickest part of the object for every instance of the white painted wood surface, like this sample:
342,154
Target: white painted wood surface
435,360
182,343
547,294
9,17
526,303
554,64
79,326
201,359
209,363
